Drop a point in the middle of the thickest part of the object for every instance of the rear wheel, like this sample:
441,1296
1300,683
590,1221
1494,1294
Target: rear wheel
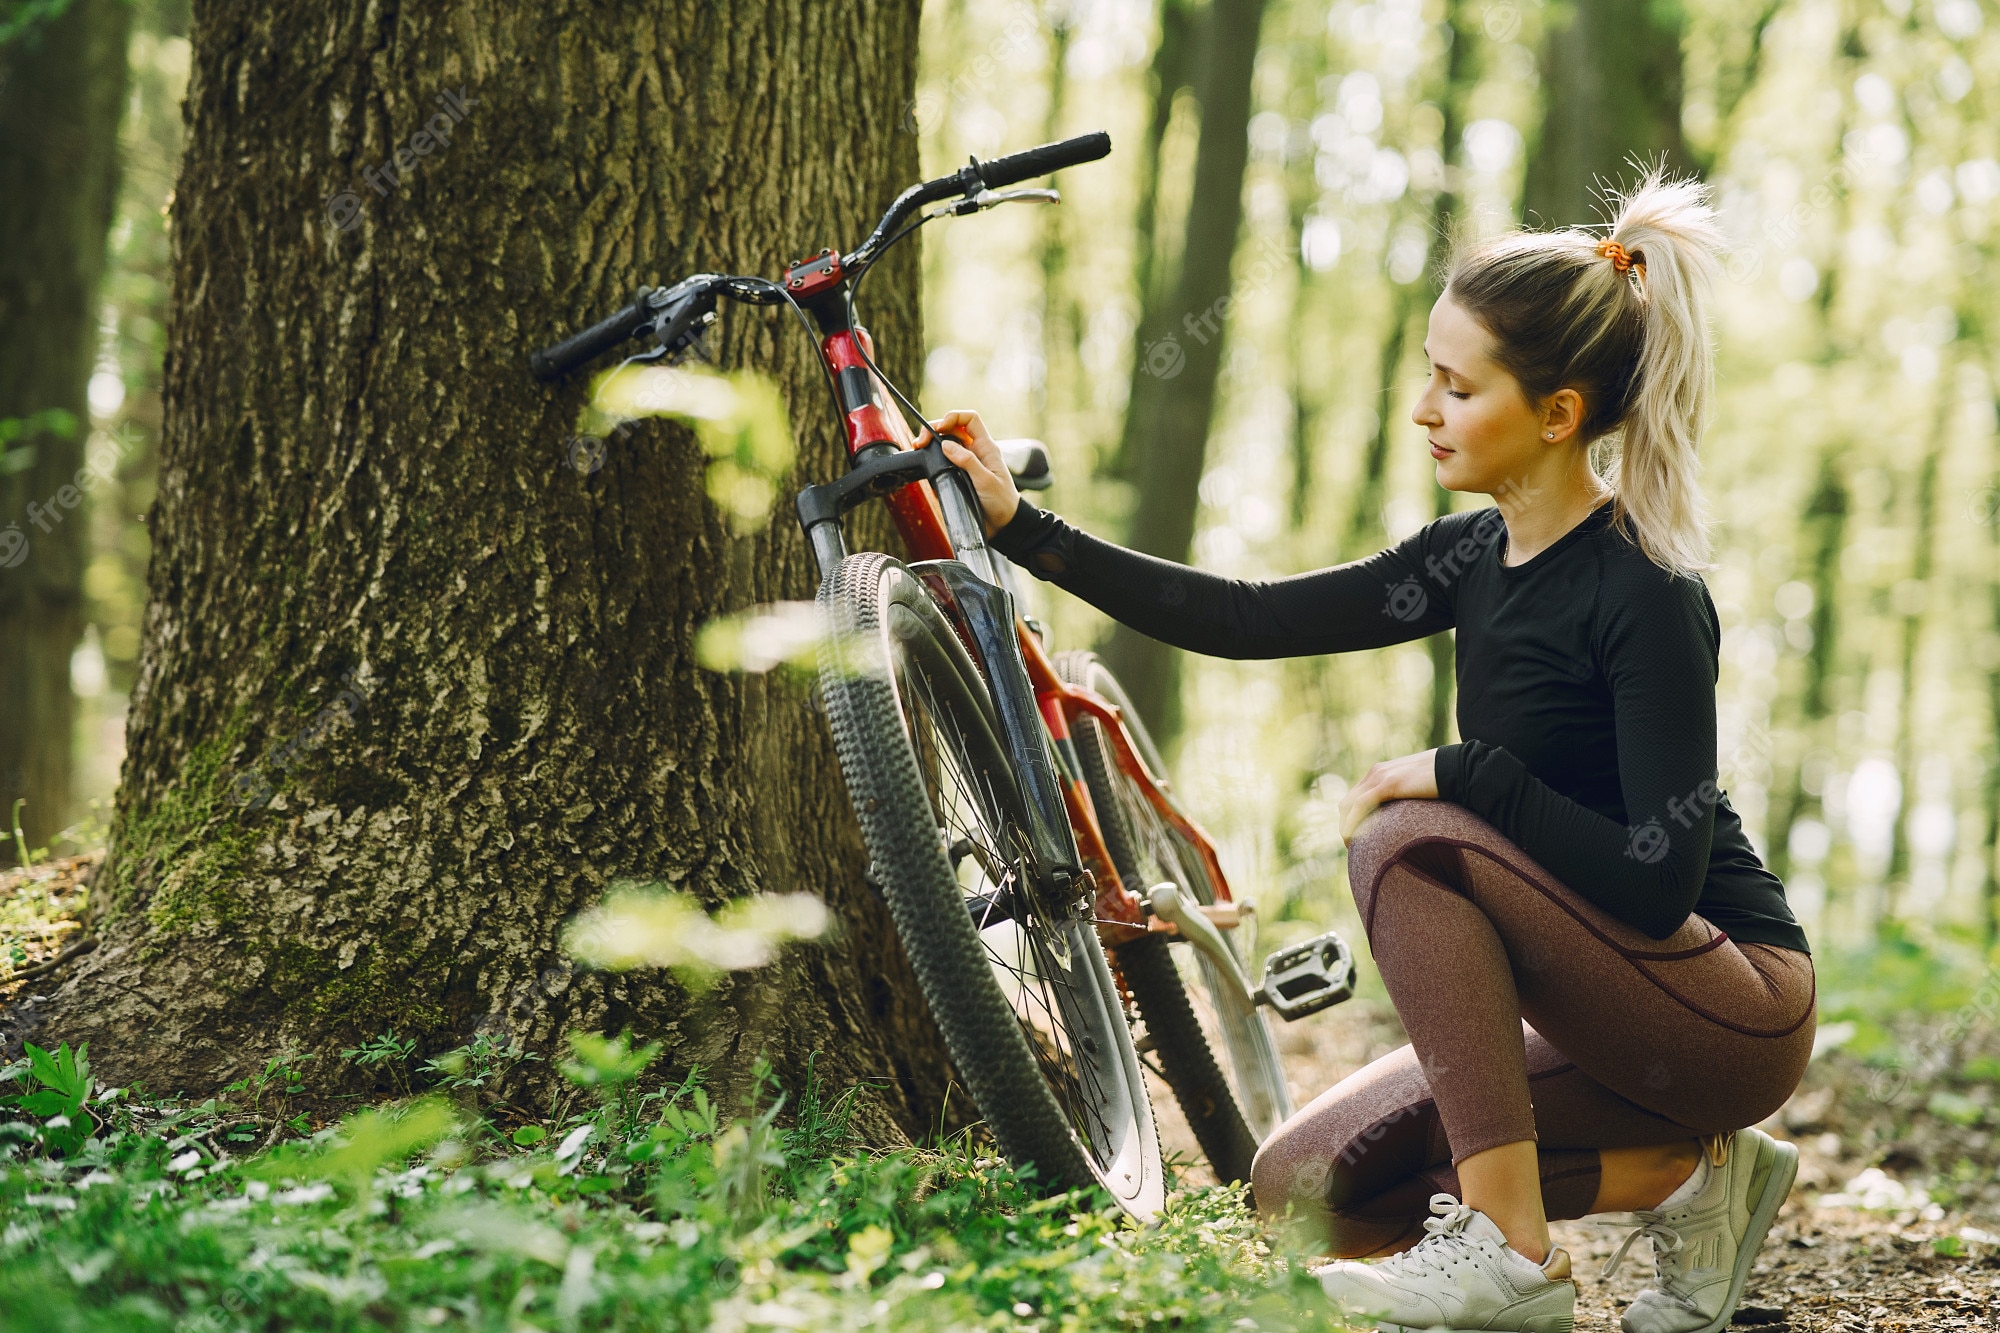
1231,1104
1011,966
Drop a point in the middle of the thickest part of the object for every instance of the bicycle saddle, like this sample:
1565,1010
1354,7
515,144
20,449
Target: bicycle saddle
1028,460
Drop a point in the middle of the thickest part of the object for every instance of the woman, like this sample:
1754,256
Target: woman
1601,983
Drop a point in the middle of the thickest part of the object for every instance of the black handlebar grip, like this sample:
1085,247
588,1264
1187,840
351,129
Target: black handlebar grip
555,362
1033,162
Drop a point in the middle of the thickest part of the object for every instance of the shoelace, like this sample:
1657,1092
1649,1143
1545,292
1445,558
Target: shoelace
1666,1246
1447,1226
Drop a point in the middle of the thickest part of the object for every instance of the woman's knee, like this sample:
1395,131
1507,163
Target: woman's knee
1289,1175
1421,833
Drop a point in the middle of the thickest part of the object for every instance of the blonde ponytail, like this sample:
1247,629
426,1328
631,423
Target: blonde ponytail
1623,320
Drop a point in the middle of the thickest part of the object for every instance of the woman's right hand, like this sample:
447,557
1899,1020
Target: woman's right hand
979,457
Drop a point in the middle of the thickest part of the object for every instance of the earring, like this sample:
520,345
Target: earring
1548,435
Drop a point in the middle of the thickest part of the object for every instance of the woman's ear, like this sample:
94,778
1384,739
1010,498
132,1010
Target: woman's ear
1562,415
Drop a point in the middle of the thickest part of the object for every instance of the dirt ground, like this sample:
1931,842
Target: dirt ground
1828,1267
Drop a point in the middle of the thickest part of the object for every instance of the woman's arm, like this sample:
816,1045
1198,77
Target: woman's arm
1390,597
1656,638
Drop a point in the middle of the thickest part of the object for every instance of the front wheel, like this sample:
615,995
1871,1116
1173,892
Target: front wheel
1008,959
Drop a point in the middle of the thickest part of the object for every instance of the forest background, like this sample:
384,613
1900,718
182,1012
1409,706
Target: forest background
1225,375
1851,465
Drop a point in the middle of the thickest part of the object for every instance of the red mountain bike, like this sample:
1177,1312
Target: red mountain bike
1017,816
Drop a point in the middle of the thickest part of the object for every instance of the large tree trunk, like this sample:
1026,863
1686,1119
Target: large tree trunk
62,90
368,509
1174,379
1611,90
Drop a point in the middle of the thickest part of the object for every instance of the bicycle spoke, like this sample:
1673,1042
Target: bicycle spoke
1028,950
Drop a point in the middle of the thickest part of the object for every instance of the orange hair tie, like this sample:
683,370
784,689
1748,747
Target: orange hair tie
1621,261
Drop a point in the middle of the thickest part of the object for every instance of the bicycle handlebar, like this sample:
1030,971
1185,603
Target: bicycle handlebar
1033,162
554,362
692,299
975,176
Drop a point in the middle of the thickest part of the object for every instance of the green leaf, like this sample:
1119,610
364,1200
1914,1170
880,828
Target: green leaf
363,1142
527,1136
606,1061
1948,1247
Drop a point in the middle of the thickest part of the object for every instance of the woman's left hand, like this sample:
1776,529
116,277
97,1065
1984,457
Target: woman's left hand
1413,777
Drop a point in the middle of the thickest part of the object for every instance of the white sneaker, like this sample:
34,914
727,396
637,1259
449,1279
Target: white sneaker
1703,1247
1463,1275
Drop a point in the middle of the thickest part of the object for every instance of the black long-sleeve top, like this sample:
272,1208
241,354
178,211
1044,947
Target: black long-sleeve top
1586,692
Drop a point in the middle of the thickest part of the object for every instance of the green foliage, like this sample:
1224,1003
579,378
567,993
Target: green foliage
55,421
739,418
1898,978
607,1064
470,1068
58,1087
658,1211
282,1077
387,1051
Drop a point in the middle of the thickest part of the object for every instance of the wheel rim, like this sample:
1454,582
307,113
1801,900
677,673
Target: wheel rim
1038,952
1255,1074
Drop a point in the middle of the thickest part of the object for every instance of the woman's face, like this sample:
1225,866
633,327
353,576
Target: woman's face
1484,433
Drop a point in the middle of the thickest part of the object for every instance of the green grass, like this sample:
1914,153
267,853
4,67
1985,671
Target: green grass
647,1210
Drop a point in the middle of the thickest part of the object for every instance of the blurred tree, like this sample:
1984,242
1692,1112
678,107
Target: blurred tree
1989,888
1172,75
1910,610
1611,90
1824,534
418,676
1058,323
1174,374
62,90
1410,306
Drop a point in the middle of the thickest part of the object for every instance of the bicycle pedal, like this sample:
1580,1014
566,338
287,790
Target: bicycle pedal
1307,978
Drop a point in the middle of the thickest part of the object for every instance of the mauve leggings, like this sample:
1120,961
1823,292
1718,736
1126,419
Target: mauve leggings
1532,1015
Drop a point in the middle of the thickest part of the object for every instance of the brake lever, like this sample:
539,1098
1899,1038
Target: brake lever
685,315
985,199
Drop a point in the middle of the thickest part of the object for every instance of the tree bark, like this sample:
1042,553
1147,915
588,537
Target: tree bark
1173,387
380,587
62,91
1611,90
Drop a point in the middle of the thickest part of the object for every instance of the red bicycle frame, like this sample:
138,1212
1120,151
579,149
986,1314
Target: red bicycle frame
914,507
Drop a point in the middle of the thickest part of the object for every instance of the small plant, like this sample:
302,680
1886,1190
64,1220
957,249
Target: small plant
608,1067
283,1077
385,1050
21,853
472,1067
822,1127
58,1087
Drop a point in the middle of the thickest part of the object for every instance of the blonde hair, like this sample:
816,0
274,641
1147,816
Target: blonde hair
1633,341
